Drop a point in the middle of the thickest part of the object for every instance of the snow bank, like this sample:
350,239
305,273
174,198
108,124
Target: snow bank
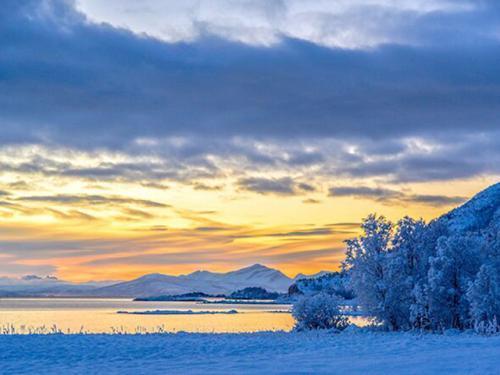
352,352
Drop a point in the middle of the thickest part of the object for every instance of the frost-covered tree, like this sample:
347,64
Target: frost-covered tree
434,276
319,311
451,271
426,247
336,283
484,292
414,275
366,261
404,266
484,298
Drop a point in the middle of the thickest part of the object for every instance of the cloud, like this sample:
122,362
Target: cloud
66,84
71,215
278,186
348,24
363,192
437,200
306,187
156,84
383,93
90,200
311,201
205,187
137,214
302,233
390,196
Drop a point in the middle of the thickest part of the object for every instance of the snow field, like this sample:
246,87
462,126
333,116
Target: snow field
351,352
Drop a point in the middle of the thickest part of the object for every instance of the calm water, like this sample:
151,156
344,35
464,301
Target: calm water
100,316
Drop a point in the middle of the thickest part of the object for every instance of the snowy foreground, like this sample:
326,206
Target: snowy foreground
312,352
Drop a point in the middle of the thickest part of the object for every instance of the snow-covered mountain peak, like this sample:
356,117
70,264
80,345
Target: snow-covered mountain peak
153,277
258,272
254,268
256,275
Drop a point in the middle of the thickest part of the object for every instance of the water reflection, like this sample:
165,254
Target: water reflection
100,316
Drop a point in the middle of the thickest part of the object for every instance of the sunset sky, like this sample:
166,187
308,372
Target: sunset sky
171,136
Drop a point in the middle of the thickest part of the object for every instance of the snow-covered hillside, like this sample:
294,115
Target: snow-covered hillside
481,212
200,281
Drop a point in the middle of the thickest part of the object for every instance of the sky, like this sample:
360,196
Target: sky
171,136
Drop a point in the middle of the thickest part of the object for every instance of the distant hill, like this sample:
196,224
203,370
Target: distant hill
199,281
48,286
188,297
253,293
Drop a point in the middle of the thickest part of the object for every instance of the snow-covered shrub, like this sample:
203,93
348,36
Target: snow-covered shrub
487,328
319,311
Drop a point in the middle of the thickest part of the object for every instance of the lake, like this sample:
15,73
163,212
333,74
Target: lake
94,315
100,316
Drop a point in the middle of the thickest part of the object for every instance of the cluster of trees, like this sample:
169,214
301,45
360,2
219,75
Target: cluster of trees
417,276
334,283
254,293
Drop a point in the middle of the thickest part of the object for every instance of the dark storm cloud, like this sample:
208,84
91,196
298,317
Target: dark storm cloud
66,81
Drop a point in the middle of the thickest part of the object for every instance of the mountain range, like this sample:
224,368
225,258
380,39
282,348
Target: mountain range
200,281
150,285
34,286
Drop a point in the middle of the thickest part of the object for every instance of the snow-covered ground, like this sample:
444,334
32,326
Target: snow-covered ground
312,352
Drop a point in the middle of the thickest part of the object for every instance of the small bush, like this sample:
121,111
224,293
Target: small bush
319,311
488,328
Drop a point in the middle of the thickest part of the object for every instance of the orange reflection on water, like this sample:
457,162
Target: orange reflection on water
100,316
